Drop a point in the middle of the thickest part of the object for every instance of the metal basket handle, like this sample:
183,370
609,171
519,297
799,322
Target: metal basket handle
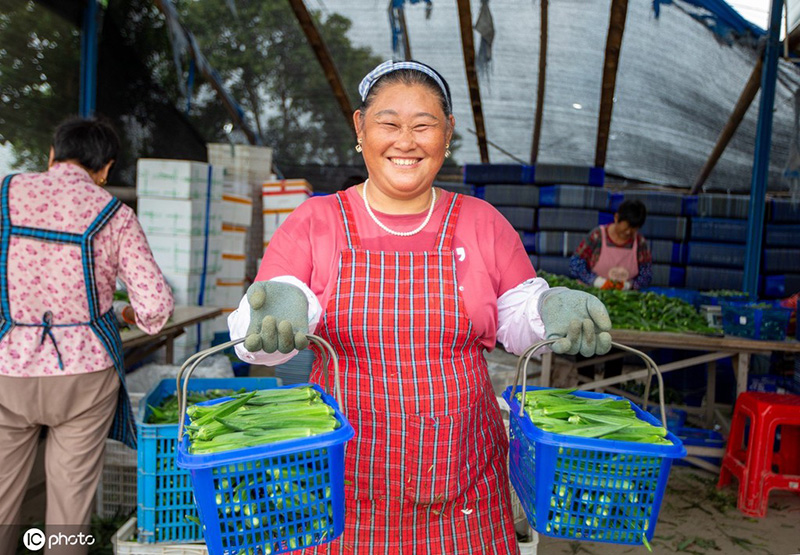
524,359
188,367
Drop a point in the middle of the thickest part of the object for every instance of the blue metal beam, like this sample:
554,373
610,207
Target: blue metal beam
758,184
88,85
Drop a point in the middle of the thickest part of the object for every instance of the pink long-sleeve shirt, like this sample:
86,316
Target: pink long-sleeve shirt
46,276
490,258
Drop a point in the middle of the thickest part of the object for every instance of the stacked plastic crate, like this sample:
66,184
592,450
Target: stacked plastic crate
552,206
245,168
716,249
179,207
666,231
781,262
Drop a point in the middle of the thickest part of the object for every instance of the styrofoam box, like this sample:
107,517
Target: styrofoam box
229,293
186,288
238,187
186,254
182,352
234,239
178,217
272,221
180,179
233,267
285,201
245,163
237,209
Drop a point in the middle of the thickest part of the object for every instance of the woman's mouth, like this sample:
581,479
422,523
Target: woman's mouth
405,161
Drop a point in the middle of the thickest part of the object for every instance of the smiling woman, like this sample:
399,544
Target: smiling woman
411,285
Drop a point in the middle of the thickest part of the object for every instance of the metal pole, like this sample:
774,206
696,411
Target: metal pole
758,185
88,77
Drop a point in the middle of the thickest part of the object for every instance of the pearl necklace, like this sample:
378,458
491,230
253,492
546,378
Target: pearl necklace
400,233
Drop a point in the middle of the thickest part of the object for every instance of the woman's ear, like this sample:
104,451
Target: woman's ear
51,158
357,117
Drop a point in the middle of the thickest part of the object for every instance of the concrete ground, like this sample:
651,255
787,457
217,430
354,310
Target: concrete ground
695,517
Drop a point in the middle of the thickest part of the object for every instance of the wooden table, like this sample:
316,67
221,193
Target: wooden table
738,349
138,345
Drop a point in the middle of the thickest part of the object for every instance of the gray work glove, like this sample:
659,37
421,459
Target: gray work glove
278,318
579,319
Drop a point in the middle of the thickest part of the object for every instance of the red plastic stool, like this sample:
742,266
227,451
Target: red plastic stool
752,457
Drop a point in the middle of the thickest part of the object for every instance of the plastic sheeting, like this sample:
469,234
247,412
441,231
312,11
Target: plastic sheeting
676,87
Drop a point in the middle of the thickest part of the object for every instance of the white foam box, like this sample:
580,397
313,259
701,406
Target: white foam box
272,221
242,162
285,194
186,288
229,292
237,210
233,267
186,254
180,179
234,239
178,217
238,187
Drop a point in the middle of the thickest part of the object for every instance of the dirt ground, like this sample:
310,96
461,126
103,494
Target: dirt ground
695,517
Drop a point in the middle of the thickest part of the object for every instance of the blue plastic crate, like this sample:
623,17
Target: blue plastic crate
511,195
781,285
164,491
520,217
781,235
286,512
665,227
725,255
667,252
665,275
481,174
784,210
719,230
763,320
700,438
553,264
588,489
780,261
676,418
528,241
574,196
769,383
706,278
657,202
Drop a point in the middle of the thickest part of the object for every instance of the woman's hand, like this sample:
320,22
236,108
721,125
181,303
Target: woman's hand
278,318
579,319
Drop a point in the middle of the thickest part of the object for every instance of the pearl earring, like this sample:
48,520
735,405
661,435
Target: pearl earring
358,146
447,150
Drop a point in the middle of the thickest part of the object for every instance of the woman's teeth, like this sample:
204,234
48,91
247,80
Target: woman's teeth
404,161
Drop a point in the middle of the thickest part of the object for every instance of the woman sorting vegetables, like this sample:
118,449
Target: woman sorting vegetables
616,256
64,240
411,284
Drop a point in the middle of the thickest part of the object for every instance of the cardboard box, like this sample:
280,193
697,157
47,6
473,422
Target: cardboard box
237,210
186,288
178,217
186,254
180,179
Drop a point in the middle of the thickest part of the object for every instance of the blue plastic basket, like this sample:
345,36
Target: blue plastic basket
588,489
164,491
764,320
271,498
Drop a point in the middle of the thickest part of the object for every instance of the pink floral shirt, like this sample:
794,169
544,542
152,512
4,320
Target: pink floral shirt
46,276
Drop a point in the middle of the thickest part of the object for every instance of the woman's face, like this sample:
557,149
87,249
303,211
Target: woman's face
404,134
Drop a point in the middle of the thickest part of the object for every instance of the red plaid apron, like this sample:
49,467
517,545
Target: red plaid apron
426,472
